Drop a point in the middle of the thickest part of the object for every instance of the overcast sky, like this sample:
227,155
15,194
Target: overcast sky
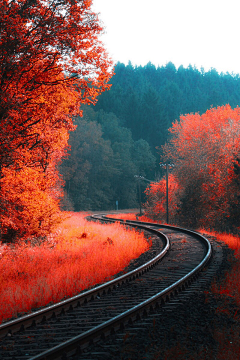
204,33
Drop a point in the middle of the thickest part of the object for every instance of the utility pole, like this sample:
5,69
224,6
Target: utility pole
167,192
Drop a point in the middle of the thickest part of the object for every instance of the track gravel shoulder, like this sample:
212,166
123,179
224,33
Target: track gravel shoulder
199,326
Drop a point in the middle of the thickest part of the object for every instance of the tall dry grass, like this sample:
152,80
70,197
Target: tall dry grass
77,256
132,216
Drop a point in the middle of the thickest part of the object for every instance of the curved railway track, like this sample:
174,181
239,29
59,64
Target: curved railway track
65,330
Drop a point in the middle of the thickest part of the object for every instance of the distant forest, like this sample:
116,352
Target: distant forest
121,136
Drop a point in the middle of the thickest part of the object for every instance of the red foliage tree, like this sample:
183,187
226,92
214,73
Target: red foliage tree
155,206
48,49
204,149
31,199
50,62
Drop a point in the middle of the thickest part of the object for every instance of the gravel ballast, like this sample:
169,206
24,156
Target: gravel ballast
200,325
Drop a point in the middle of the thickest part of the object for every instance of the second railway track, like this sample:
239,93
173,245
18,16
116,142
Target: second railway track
64,331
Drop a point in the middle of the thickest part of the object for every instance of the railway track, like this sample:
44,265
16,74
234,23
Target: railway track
65,330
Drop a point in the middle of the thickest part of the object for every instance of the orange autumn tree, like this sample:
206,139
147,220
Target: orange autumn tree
51,62
32,199
30,189
205,150
155,206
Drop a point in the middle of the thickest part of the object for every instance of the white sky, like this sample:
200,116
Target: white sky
198,32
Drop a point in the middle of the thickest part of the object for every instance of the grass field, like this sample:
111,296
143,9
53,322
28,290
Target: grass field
77,256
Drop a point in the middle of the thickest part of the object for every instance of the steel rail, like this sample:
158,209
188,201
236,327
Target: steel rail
200,237
85,296
81,341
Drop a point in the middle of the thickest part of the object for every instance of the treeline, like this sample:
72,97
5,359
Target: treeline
204,163
100,172
148,99
121,136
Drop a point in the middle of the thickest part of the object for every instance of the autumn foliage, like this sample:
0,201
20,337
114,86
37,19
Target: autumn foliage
205,151
76,256
131,216
155,206
51,62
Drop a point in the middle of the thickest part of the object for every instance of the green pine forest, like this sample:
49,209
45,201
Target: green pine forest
121,136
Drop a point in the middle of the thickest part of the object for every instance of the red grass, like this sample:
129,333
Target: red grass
231,285
131,216
232,241
128,216
79,255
